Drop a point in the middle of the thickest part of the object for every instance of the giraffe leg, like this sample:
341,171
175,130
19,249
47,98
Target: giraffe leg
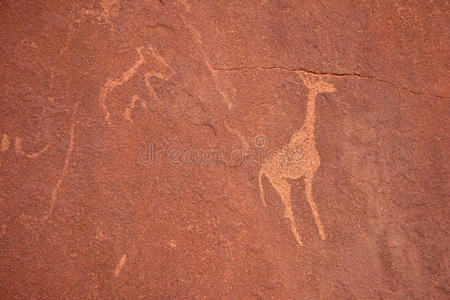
261,187
284,190
308,183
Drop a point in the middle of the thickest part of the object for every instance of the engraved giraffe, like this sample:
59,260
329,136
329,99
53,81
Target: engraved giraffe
299,158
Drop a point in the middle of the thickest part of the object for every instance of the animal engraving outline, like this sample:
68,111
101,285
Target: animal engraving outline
5,144
127,75
299,158
132,105
25,218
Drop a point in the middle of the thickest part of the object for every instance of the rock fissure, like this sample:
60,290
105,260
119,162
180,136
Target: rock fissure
333,74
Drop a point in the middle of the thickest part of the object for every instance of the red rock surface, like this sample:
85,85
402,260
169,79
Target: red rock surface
87,88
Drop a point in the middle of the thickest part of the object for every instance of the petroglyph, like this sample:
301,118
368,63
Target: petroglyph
19,150
120,265
186,5
5,142
66,162
214,73
299,158
111,84
147,77
244,142
108,11
161,59
173,244
65,168
159,75
130,107
18,147
108,6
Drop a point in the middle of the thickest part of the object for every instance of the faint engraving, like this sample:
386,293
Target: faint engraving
195,34
18,147
5,142
162,76
111,84
19,150
245,145
120,265
66,162
130,107
214,73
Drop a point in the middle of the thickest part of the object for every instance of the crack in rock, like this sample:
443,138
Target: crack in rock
333,74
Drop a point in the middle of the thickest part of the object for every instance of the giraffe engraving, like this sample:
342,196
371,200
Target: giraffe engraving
299,158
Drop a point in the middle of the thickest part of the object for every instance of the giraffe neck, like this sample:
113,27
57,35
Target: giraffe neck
310,112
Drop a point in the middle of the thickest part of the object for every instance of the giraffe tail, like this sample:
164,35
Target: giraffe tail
261,187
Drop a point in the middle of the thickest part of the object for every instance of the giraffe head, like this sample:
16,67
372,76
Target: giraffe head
316,84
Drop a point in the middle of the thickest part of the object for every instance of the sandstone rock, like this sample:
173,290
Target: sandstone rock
139,137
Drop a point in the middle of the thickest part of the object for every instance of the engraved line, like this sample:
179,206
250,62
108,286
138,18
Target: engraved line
66,162
120,265
19,150
5,142
113,83
130,107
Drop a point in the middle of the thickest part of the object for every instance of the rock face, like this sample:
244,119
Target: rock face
224,149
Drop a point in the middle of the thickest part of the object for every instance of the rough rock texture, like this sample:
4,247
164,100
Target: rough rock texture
108,107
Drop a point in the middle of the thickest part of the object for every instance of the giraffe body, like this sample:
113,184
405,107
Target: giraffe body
299,158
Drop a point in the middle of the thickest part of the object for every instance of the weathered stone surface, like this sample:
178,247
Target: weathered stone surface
110,107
